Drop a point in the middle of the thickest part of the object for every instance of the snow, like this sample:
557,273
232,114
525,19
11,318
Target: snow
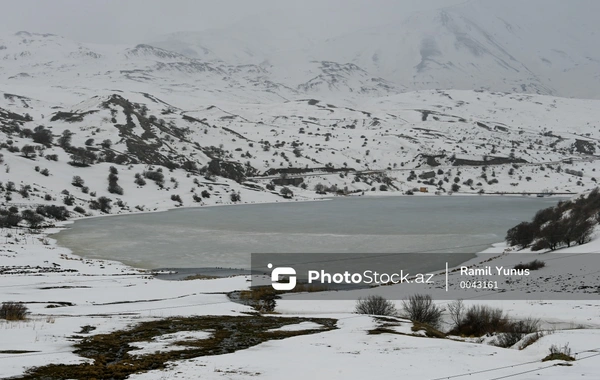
349,353
164,343
299,327
110,296
313,107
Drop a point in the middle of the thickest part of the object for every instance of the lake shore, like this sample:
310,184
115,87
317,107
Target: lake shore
64,292
218,237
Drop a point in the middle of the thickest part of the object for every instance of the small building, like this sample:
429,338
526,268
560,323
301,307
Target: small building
424,190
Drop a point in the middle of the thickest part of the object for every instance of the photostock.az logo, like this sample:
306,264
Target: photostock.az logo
282,271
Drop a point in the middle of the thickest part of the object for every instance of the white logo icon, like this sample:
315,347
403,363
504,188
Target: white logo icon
282,271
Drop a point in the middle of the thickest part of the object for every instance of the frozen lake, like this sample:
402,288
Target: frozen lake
435,229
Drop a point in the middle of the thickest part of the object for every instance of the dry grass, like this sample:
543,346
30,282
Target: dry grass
532,265
110,352
559,353
13,311
199,277
430,331
262,298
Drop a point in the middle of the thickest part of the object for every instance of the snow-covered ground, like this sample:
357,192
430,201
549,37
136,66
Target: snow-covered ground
65,293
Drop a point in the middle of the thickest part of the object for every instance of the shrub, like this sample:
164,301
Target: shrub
69,200
516,331
45,172
478,320
559,353
286,192
9,219
28,151
455,187
32,218
235,196
155,176
13,311
521,235
176,198
375,305
77,181
53,211
79,209
139,180
320,188
420,308
52,157
24,191
65,139
41,135
532,265
197,198
262,299
113,188
103,204
205,194
82,157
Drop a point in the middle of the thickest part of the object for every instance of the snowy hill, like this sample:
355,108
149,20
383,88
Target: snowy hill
443,141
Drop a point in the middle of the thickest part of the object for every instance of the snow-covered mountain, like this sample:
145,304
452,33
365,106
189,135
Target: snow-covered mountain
546,47
480,44
28,59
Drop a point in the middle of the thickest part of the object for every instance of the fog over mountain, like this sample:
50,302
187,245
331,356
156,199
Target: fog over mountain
543,47
341,49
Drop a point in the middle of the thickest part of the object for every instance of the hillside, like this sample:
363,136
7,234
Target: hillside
454,141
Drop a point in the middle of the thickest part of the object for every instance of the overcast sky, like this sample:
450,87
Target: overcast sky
134,21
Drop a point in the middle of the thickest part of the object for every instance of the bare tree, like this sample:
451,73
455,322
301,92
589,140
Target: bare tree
420,308
456,310
375,305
